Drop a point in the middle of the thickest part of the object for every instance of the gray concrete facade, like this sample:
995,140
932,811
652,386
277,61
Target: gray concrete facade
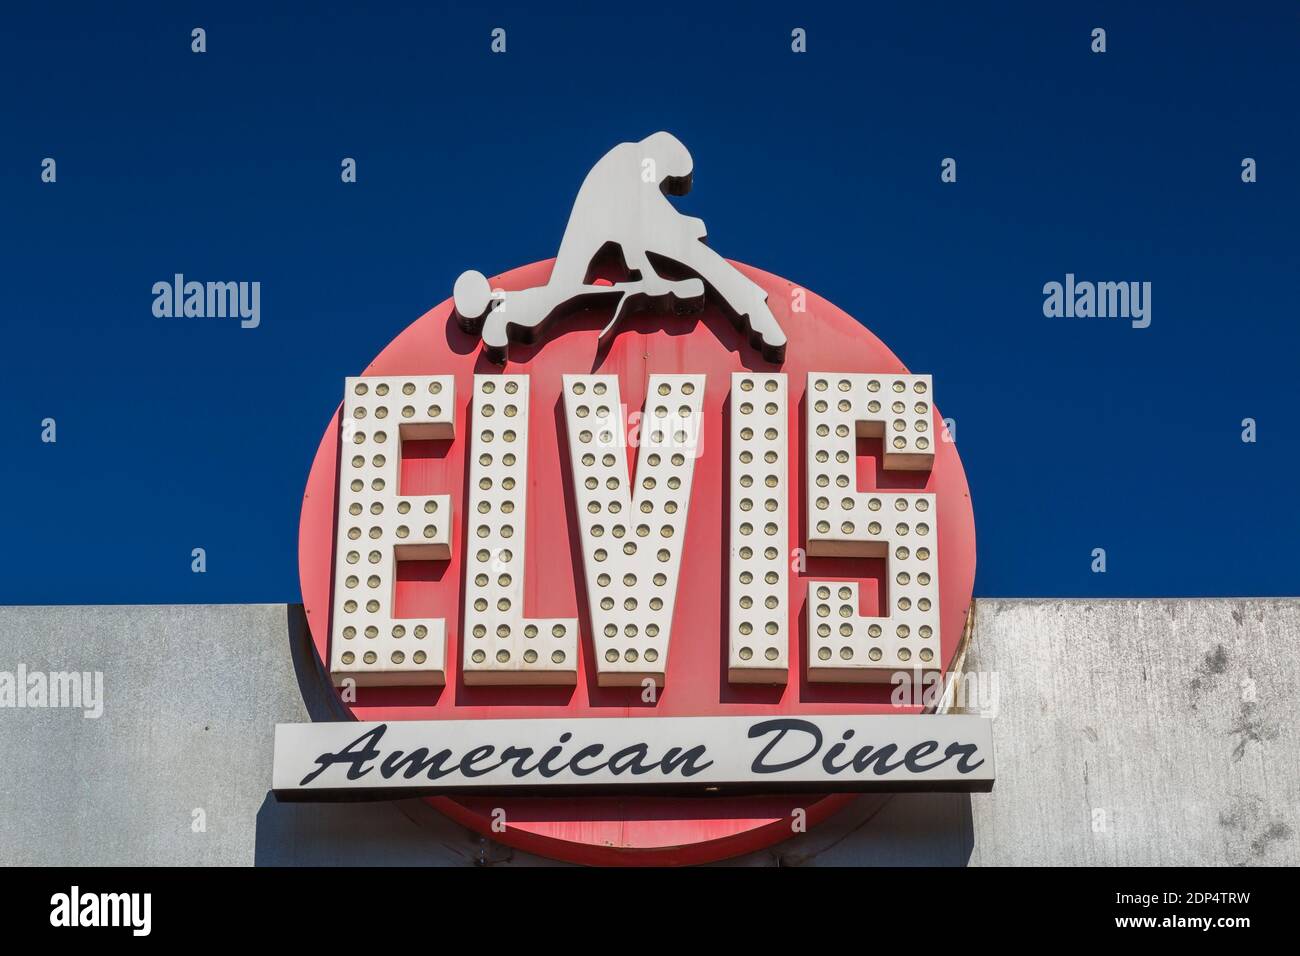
1144,732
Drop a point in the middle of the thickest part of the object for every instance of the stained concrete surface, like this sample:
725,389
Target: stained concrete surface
1146,732
1142,732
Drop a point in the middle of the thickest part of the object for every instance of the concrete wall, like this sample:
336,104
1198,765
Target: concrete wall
1129,732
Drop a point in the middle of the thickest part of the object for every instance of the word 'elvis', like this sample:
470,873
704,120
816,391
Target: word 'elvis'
633,531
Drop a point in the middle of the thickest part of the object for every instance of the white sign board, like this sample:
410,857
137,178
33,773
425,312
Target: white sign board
345,760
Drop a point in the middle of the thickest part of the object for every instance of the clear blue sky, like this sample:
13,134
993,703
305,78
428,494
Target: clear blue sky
824,168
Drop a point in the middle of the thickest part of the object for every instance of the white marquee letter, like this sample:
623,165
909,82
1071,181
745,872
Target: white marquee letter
898,526
377,527
758,646
632,543
500,645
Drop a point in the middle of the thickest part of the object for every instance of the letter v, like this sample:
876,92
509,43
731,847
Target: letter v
632,539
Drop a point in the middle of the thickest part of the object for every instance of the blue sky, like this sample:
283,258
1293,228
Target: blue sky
823,167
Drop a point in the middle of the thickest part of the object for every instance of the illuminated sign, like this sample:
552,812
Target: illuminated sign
640,496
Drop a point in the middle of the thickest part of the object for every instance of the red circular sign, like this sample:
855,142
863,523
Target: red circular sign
636,829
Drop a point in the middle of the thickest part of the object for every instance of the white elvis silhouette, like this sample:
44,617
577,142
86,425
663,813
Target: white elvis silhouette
623,204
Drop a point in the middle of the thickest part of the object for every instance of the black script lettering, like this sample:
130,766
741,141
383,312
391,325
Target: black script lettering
672,761
417,760
913,757
880,757
782,726
467,762
357,758
835,752
629,758
592,751
544,766
966,750
518,755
